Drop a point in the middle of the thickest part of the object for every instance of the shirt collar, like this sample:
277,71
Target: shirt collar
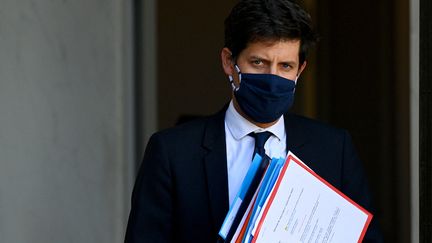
240,127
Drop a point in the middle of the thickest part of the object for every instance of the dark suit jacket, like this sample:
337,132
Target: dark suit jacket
181,192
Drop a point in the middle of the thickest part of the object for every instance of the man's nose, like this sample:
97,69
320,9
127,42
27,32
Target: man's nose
274,70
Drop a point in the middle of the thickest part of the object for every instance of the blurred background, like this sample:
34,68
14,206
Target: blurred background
84,83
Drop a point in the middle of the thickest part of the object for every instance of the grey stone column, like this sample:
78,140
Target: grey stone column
66,122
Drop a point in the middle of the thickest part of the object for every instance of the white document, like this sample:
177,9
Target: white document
304,208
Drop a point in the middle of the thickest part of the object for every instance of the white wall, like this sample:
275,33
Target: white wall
65,120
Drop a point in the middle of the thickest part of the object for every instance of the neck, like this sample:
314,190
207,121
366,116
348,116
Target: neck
261,125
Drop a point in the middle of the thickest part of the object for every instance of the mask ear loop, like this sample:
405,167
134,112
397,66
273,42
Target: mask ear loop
295,82
231,79
238,71
232,82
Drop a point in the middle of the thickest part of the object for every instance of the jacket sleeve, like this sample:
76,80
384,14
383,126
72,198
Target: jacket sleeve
150,218
355,186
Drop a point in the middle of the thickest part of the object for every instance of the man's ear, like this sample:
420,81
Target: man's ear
227,61
302,67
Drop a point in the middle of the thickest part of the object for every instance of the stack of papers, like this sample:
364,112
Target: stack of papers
283,200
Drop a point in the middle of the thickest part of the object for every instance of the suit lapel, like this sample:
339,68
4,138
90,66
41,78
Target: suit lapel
216,167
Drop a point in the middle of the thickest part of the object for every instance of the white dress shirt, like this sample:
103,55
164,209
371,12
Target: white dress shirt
240,146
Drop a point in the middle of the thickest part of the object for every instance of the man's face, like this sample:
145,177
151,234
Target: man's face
271,57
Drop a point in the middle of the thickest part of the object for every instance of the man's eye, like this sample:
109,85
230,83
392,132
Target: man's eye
286,66
257,62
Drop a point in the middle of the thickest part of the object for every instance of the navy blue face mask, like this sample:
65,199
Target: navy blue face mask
264,97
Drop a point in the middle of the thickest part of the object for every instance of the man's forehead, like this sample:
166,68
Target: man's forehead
287,48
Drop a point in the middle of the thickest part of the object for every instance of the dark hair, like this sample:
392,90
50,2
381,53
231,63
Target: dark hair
268,20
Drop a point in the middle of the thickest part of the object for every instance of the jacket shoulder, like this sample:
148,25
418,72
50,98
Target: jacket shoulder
312,127
192,132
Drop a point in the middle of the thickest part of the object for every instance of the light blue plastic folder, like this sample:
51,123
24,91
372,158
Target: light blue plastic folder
268,182
229,218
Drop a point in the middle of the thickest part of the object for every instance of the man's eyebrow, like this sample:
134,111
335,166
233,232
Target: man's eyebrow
289,62
263,59
257,57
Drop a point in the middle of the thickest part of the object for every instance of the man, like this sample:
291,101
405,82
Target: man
191,173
